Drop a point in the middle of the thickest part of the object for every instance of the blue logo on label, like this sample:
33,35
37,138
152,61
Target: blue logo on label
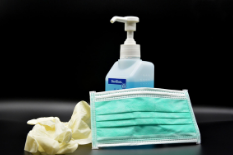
121,82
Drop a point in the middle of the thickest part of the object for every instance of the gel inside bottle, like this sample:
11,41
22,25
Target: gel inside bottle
129,71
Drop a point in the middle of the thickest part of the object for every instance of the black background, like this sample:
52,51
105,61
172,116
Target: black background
62,49
53,52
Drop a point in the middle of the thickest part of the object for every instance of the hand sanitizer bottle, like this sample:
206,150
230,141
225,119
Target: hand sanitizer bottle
129,71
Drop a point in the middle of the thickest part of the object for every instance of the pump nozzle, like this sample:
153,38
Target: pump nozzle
125,19
129,49
130,26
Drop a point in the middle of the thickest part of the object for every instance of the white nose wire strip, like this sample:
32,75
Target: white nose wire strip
141,89
140,93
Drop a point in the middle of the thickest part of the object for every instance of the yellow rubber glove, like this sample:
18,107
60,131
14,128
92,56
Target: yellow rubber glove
51,136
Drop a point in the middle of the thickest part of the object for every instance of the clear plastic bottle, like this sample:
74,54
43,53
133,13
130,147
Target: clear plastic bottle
129,71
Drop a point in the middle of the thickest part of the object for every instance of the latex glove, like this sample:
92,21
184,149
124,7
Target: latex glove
51,136
80,123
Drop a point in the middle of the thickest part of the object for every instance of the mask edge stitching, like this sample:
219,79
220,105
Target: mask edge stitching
125,97
193,116
93,123
141,141
137,89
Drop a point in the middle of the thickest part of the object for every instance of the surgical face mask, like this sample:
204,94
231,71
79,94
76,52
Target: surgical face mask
141,116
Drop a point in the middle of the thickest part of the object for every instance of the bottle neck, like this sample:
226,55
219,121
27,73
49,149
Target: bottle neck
130,58
130,51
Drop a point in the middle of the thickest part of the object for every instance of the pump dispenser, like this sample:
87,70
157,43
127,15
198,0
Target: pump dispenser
129,49
129,71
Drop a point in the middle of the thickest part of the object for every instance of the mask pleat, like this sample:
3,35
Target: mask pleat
138,104
141,121
149,131
145,115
